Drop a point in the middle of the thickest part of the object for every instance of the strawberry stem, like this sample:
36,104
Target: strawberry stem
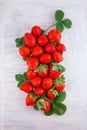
49,28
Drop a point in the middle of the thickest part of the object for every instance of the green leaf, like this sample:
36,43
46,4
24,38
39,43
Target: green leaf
59,26
59,81
20,83
18,77
61,97
59,14
60,108
24,77
57,67
19,42
35,107
67,23
50,112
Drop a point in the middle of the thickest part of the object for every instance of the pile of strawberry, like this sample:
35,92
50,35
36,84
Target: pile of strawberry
44,81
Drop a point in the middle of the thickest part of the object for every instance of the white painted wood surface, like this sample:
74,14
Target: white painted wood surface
17,17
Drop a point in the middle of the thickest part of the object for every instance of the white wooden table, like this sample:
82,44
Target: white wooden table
17,17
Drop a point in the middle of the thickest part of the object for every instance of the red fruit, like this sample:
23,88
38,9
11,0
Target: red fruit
60,87
44,105
57,57
30,100
61,48
54,35
29,39
42,73
24,51
50,48
39,91
45,58
36,82
52,93
37,51
30,74
54,73
32,62
26,87
36,30
42,40
47,83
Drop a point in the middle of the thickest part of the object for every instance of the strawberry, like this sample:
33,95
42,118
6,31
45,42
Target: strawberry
29,39
30,74
60,84
26,87
61,48
52,93
30,99
54,35
47,83
56,70
32,62
42,40
50,48
37,51
36,30
36,81
39,91
24,51
44,105
57,57
45,58
42,70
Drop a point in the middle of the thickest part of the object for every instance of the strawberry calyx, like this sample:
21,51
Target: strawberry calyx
52,90
58,67
60,80
41,104
41,68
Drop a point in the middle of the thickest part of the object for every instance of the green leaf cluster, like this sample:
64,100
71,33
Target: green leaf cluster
61,23
21,78
19,42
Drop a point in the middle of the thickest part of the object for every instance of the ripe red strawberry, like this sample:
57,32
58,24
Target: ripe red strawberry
29,39
42,40
36,30
50,48
54,35
32,62
56,70
26,87
30,74
45,58
47,83
30,99
52,93
24,51
57,57
60,84
61,48
42,70
60,88
44,105
36,82
39,91
37,51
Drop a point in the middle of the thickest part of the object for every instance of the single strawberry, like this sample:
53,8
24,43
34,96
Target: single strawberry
36,81
42,40
56,70
47,83
32,62
36,30
26,87
39,91
50,48
57,57
61,48
45,58
42,70
30,99
24,51
52,93
60,83
37,51
44,105
29,39
30,74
